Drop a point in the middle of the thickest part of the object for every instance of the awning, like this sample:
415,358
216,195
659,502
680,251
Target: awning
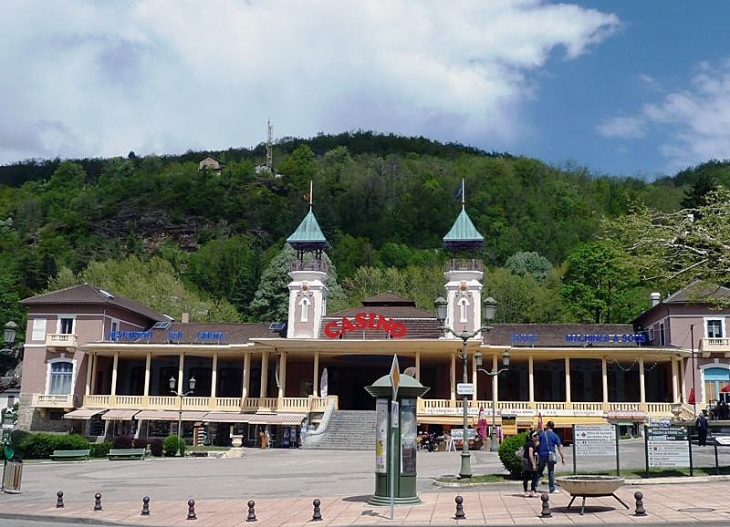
83,413
121,414
277,419
227,417
170,415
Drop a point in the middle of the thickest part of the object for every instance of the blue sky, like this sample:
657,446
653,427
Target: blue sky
622,87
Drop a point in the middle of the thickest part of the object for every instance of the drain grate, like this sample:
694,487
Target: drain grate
697,509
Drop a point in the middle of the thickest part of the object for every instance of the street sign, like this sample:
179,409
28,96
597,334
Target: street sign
395,376
595,440
465,388
667,446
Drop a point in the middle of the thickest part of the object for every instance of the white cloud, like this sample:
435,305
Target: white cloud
623,127
85,78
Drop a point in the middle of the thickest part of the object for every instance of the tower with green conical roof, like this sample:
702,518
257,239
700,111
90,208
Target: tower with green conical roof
307,290
463,276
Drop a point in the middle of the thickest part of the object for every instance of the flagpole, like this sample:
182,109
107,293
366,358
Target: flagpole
692,337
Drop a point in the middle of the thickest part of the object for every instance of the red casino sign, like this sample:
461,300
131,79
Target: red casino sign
362,321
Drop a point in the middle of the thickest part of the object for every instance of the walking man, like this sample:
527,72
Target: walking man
702,427
550,447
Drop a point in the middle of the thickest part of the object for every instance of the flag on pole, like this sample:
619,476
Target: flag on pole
539,421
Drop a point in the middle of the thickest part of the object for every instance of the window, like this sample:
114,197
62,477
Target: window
463,304
39,329
61,377
661,334
66,326
304,303
714,328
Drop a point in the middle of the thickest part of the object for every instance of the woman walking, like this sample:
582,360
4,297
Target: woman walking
529,472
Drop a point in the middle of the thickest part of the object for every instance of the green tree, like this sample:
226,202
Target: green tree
696,196
529,263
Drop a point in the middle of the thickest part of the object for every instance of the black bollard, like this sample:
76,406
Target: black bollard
640,511
317,516
191,510
545,506
97,501
59,501
145,506
459,508
251,511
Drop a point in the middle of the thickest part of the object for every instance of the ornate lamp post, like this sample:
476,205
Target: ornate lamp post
441,307
505,362
181,395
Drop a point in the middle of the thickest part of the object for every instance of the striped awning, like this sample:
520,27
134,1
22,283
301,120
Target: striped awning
277,419
227,417
170,415
83,413
119,414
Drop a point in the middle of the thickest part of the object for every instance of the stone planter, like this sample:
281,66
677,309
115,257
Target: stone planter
590,485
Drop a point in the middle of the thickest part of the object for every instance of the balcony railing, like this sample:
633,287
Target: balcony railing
464,265
52,401
720,345
61,340
172,402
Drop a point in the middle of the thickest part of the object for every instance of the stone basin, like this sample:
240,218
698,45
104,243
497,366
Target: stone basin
589,485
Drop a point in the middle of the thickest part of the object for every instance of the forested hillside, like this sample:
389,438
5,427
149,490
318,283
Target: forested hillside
157,229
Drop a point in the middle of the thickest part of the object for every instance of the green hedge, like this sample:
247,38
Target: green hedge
100,449
42,445
507,450
171,446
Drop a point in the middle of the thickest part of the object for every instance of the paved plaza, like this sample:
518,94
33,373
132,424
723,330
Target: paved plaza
284,483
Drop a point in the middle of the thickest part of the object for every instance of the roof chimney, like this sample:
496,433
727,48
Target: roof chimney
186,317
654,297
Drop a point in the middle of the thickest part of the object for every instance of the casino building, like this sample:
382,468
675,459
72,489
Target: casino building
103,365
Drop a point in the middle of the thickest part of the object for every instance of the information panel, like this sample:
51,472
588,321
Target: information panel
667,446
381,435
595,440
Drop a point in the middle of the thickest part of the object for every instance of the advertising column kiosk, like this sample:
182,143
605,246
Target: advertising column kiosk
400,426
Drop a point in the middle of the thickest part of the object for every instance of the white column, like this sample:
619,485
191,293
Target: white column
675,383
94,368
604,379
418,366
282,374
246,375
180,374
642,382
147,365
114,373
214,376
474,377
89,367
531,374
453,379
567,380
264,373
315,387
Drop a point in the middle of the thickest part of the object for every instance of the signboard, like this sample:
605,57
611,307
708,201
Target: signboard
457,434
722,440
381,435
667,446
594,440
394,414
365,321
465,388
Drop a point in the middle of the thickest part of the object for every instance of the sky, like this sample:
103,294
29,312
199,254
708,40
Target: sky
621,87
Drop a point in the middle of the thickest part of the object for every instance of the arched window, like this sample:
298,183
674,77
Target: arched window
463,306
304,307
61,378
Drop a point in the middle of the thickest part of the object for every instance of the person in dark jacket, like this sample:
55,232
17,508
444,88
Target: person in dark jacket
702,428
529,472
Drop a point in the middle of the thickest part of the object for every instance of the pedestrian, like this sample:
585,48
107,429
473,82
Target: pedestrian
529,464
549,448
262,438
702,427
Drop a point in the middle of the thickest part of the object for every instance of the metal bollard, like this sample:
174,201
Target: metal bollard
640,511
191,510
251,511
97,501
545,506
459,508
317,516
59,501
145,506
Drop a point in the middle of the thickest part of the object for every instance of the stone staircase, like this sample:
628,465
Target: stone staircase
346,430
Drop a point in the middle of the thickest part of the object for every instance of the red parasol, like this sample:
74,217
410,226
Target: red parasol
482,423
725,389
539,420
691,399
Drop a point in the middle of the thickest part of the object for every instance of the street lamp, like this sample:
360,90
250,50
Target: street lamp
181,395
441,308
505,362
9,358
